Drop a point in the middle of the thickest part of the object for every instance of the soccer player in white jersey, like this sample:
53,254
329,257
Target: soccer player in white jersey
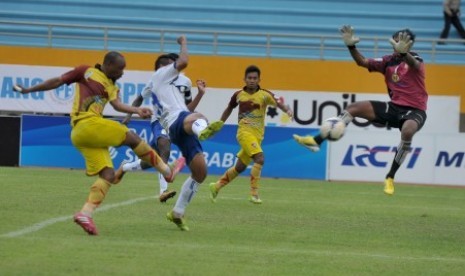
161,141
185,129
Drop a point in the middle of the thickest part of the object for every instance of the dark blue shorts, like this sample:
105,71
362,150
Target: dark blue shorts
188,144
157,131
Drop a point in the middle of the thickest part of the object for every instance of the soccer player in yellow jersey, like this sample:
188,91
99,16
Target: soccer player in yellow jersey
252,101
92,135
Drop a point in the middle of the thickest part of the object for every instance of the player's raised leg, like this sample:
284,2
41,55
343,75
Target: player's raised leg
313,142
204,130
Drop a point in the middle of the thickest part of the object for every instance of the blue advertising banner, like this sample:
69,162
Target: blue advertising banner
46,142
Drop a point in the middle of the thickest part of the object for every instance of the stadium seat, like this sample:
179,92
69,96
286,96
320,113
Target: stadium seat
275,28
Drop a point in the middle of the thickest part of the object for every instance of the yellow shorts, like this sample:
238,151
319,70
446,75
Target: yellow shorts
250,145
93,136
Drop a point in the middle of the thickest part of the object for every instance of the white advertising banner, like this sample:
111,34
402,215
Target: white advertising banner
449,159
310,107
59,100
433,159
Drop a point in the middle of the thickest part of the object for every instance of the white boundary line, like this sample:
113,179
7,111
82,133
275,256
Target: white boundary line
36,227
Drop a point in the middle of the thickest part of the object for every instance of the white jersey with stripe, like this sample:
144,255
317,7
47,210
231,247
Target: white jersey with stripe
180,90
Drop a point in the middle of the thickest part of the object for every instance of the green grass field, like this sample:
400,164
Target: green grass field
302,228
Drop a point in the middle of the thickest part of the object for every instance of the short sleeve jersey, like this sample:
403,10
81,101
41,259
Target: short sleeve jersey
171,102
182,83
252,110
406,86
92,91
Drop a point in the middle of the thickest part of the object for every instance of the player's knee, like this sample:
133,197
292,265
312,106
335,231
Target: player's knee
407,134
199,175
108,174
260,160
164,148
132,139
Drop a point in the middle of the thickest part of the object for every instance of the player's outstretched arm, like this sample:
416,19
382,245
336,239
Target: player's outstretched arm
143,112
349,38
226,113
285,107
136,103
183,60
43,86
201,86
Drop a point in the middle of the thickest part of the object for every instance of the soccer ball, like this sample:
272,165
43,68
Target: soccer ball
333,129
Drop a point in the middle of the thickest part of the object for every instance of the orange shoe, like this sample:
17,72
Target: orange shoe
176,167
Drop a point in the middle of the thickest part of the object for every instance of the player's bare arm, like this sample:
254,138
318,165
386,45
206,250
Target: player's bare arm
136,103
44,86
349,38
285,108
226,113
358,58
412,61
201,86
183,60
143,112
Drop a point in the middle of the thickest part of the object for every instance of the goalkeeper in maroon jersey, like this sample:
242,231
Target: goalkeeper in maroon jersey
404,75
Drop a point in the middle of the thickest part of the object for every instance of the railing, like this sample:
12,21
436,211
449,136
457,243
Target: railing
214,42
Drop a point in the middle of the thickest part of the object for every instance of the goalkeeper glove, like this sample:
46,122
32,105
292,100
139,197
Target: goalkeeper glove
348,36
403,43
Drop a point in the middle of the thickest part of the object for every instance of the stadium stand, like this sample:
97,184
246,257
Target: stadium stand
273,28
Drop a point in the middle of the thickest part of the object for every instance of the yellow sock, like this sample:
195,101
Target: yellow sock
227,177
98,191
255,178
147,154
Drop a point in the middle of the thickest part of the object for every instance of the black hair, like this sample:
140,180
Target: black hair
408,31
111,57
251,69
173,56
162,61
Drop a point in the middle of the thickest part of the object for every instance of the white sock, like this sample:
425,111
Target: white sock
132,166
188,190
199,125
163,183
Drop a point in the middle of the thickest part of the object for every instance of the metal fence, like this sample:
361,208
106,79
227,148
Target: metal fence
272,45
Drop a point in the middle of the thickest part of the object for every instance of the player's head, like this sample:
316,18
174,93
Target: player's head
163,60
173,56
395,36
113,65
252,77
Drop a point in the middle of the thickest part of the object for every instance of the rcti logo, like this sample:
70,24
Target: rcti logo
363,156
446,159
